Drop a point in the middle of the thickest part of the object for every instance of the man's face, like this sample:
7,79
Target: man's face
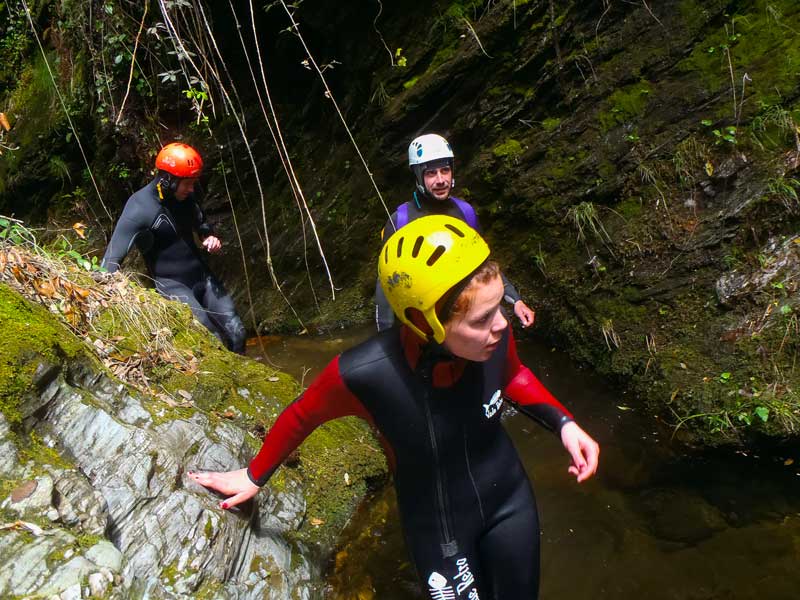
438,181
185,187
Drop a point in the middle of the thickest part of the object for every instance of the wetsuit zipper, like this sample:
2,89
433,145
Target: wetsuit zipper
449,544
472,478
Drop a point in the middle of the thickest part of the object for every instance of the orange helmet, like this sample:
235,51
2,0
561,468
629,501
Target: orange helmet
179,160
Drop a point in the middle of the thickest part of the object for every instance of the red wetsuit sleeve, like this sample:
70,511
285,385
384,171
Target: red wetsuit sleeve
527,392
325,399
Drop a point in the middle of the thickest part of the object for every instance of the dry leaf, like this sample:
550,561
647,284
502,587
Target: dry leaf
347,479
4,122
80,229
316,522
273,379
44,288
788,462
184,394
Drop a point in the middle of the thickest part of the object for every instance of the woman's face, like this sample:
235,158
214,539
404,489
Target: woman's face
476,334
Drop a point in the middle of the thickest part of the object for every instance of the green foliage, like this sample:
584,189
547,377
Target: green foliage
585,219
763,40
773,127
785,190
15,41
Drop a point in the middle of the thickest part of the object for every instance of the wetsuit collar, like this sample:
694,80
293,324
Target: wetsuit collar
446,369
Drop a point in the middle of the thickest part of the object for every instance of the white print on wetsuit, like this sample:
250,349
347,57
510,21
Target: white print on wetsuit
439,588
466,578
494,405
162,218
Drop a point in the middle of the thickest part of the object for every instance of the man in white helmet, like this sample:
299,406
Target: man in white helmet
431,160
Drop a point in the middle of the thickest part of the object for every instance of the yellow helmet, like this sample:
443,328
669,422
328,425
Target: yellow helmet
420,262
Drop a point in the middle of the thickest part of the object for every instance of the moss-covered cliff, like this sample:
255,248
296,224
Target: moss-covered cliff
634,166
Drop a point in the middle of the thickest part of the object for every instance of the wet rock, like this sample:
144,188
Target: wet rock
47,564
779,258
32,497
678,516
170,530
9,459
79,505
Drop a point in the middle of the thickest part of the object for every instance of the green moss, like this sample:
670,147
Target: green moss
339,448
763,40
624,105
551,124
411,82
510,149
30,334
631,207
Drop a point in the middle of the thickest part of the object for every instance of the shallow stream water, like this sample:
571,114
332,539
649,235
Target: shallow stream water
656,522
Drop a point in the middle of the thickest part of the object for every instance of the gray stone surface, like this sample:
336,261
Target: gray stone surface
166,537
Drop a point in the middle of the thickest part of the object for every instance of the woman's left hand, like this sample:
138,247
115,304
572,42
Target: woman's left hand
585,452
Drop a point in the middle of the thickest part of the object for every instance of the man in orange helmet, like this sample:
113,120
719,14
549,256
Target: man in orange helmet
161,219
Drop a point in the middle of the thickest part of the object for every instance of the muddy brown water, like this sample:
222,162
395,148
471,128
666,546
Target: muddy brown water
655,523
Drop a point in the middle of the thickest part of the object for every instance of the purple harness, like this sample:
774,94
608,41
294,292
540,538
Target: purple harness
470,218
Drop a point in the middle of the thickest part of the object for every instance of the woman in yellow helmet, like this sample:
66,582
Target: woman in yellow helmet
434,387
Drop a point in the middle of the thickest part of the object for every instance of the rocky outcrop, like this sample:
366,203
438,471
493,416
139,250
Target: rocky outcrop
96,502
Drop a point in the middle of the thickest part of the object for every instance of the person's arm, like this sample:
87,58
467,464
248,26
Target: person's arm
130,225
384,316
535,401
204,229
325,399
529,394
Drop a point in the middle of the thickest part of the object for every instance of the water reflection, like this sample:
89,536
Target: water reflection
654,523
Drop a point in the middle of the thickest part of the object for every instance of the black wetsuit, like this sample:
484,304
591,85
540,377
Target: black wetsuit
422,207
468,510
163,232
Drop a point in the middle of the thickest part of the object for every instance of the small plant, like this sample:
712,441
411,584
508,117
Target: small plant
540,262
785,190
726,134
585,218
609,335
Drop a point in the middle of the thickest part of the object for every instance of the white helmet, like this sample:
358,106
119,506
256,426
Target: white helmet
425,150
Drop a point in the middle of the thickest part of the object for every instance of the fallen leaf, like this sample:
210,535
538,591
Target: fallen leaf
4,122
184,394
273,379
788,461
316,522
624,407
80,229
709,168
44,288
34,529
347,479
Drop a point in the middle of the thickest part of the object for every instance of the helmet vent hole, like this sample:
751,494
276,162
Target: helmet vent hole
417,246
455,230
436,254
386,255
400,247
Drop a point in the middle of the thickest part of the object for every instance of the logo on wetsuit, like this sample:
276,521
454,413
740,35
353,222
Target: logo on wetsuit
440,587
494,405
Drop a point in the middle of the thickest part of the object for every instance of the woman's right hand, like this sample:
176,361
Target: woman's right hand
234,484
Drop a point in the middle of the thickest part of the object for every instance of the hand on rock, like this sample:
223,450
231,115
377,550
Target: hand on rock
236,485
